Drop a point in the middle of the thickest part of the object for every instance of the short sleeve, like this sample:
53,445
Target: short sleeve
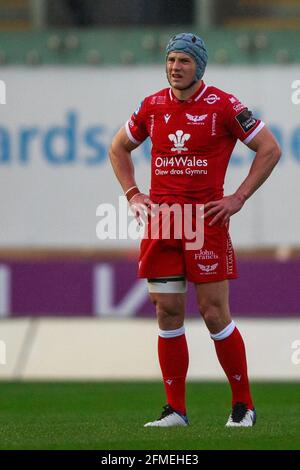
240,121
136,126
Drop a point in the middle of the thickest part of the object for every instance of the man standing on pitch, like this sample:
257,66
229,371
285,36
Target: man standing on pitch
193,128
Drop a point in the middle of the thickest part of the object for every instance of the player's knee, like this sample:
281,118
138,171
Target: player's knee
216,316
169,311
212,313
167,306
169,320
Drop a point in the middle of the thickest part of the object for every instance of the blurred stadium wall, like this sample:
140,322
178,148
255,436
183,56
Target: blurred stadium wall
71,73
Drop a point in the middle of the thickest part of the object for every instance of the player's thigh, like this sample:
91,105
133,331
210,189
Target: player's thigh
213,296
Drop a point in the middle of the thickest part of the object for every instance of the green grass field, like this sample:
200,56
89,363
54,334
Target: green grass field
110,415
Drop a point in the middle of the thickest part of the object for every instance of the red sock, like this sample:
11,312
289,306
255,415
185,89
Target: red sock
232,357
174,360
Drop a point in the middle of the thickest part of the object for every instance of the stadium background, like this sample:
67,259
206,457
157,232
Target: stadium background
71,73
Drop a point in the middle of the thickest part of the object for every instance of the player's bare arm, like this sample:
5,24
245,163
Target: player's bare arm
267,155
120,157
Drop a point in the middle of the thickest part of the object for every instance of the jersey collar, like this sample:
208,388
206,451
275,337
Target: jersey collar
194,98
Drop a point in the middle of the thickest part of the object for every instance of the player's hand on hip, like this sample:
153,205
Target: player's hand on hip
142,207
223,209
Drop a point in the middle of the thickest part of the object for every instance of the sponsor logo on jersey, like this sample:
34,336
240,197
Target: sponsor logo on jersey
238,107
208,268
167,117
151,124
196,119
232,99
158,100
214,124
246,120
229,256
161,100
180,161
212,98
179,139
206,254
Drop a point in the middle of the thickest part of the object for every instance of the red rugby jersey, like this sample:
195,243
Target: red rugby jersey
192,140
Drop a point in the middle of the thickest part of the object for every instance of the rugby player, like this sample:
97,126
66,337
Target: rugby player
193,128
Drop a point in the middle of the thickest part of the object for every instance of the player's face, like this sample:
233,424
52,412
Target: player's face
181,70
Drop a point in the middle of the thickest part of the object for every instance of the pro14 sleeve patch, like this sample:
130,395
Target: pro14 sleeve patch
246,120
